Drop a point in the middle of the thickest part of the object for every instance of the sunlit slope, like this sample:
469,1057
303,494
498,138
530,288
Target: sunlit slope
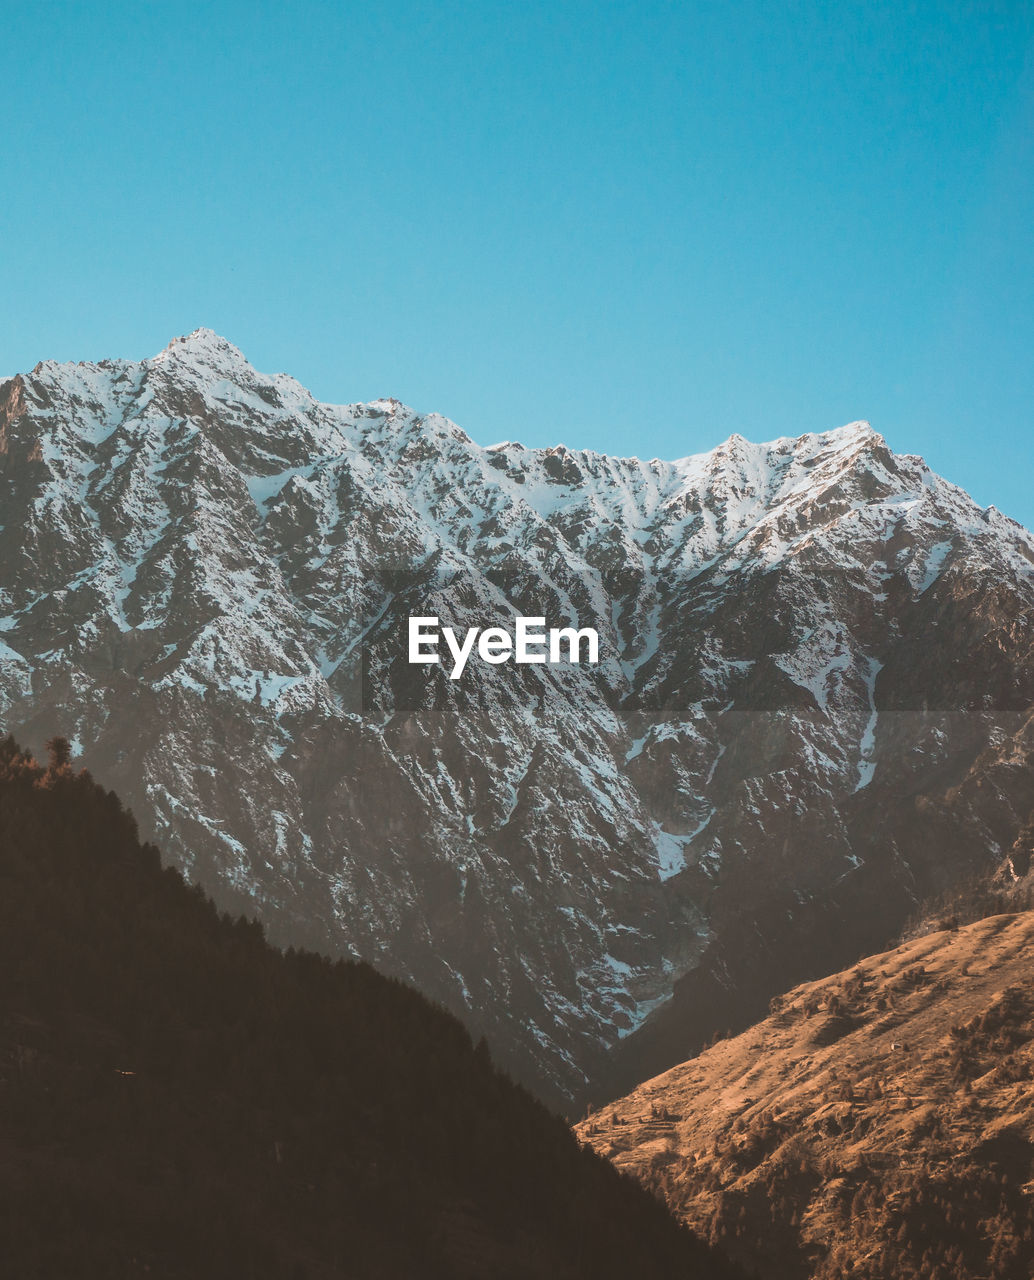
880,1123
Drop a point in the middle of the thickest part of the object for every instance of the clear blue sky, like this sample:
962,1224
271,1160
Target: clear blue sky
636,226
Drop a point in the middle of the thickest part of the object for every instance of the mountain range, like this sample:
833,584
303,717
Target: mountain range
811,711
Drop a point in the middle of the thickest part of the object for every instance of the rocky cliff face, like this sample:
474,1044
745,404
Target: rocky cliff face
812,705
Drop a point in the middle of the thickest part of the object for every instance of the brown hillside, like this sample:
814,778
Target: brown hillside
879,1124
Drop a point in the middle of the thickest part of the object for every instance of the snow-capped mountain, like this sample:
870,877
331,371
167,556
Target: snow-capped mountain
812,704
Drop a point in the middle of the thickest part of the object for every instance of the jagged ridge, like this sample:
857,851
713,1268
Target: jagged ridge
205,574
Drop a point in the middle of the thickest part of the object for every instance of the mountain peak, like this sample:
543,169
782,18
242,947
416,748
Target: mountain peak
202,346
859,428
860,432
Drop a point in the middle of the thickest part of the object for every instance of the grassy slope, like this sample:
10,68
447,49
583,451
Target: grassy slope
880,1123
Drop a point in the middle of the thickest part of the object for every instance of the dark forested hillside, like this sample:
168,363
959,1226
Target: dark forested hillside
180,1099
